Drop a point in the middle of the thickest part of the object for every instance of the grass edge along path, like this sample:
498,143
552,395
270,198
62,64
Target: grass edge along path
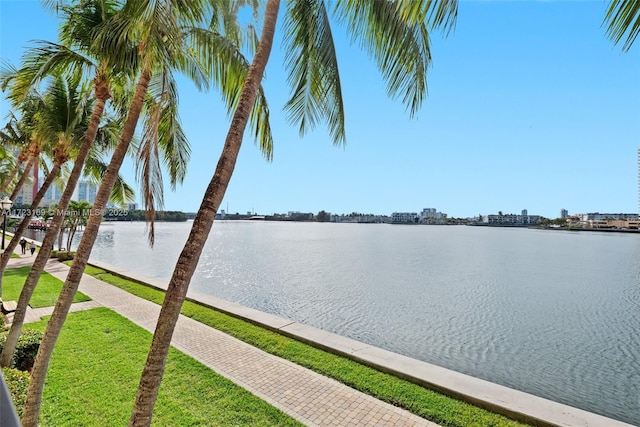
428,404
98,359
46,292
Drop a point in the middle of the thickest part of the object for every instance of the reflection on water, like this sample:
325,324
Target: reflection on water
551,313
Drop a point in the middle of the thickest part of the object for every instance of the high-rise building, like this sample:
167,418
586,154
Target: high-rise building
52,195
564,213
524,212
85,191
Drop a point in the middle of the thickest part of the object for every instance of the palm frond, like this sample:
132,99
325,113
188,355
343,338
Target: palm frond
46,58
623,22
399,46
313,69
171,139
438,14
227,67
148,160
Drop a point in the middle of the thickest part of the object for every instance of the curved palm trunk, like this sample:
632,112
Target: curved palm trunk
12,175
4,260
188,260
49,239
23,177
34,395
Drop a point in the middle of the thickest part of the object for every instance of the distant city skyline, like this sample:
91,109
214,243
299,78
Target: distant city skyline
519,115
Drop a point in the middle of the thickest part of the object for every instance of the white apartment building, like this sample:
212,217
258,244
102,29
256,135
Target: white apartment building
514,220
597,216
404,217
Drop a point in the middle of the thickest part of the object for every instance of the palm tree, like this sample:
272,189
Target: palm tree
78,217
396,34
623,20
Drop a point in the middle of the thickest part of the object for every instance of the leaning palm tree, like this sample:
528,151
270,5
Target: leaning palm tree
22,131
397,36
60,122
12,138
160,30
623,22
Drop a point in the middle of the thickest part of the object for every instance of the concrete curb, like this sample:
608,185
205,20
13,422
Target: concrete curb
494,397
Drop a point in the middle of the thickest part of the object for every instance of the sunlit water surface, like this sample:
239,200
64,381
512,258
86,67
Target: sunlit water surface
551,313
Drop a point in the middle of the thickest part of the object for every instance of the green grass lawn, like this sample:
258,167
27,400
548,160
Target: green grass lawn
426,403
46,293
96,367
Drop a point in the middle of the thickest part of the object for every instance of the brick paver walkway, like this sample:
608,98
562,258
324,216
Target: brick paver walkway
307,396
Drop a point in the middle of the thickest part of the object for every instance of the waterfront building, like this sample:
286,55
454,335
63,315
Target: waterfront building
629,224
428,213
404,217
513,220
359,219
432,216
564,213
597,216
298,216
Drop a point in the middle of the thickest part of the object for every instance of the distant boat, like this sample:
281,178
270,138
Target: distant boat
38,224
256,218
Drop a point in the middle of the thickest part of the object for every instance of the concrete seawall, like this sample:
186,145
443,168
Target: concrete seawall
512,403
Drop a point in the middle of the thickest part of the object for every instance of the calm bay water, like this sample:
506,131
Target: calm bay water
551,313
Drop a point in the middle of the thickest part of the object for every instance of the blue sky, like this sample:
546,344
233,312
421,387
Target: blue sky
530,106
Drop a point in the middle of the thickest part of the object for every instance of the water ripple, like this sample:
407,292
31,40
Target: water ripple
550,313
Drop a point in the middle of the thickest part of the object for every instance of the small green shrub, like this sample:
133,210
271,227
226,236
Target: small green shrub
62,255
26,349
18,384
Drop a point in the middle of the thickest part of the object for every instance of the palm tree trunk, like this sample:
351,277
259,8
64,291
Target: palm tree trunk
188,260
50,238
4,260
34,395
60,236
12,175
72,232
23,177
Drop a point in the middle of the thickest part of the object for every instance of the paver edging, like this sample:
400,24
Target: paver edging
512,403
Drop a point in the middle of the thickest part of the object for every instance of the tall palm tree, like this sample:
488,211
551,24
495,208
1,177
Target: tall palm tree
397,36
623,22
